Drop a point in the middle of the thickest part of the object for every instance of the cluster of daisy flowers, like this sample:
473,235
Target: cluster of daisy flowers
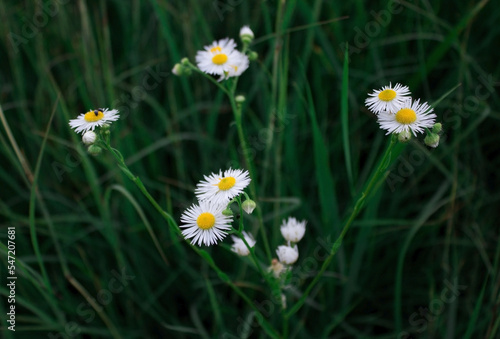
292,231
209,221
398,113
91,122
221,57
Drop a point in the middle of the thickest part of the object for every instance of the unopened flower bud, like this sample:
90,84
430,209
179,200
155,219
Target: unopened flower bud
252,56
239,99
178,70
404,136
89,138
432,140
185,61
246,35
438,127
94,150
248,206
227,212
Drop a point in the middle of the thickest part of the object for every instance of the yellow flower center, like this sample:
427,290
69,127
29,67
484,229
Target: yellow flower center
387,95
219,59
93,116
215,49
206,221
226,183
406,116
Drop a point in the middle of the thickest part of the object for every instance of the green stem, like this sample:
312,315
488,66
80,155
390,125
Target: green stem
248,163
383,164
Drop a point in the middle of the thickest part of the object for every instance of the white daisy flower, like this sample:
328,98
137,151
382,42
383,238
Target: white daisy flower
292,229
237,67
205,223
388,98
287,254
221,188
239,246
219,57
412,117
93,118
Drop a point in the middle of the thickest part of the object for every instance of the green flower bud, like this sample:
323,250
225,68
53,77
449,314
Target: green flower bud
178,70
240,99
248,206
227,212
252,56
438,127
185,61
246,35
432,140
404,136
94,150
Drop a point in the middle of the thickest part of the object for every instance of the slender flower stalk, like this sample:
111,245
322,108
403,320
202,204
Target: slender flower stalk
358,206
237,111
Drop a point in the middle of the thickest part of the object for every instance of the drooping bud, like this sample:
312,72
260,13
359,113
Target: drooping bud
178,70
432,140
248,206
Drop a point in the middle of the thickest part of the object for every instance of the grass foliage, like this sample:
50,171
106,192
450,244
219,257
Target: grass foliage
422,258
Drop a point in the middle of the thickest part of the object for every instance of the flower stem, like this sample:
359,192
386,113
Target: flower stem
248,162
380,171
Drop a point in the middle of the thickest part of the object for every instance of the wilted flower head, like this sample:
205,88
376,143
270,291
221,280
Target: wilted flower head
276,268
239,246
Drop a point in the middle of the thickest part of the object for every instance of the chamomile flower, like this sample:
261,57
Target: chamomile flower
93,118
220,57
239,246
287,254
412,116
220,188
388,98
205,223
292,229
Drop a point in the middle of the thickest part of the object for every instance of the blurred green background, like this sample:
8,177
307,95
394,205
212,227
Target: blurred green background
422,259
